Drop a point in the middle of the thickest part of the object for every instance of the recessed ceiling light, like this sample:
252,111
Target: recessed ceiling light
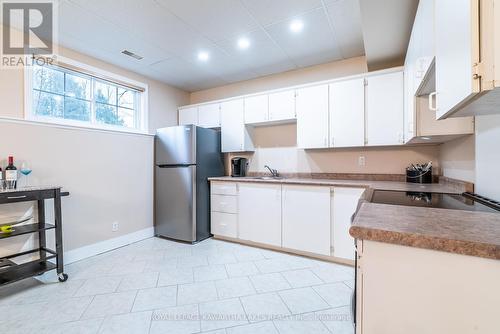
426,138
243,43
203,56
296,26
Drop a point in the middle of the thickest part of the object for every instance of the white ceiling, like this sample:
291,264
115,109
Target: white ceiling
170,33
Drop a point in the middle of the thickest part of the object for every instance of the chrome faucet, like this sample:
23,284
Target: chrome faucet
273,172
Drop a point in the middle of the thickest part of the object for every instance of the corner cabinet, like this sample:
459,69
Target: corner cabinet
384,109
344,204
306,219
312,117
234,135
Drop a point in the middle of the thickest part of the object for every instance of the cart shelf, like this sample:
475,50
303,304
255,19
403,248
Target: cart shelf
26,229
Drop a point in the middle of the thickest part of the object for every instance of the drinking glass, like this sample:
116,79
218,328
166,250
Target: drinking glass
26,171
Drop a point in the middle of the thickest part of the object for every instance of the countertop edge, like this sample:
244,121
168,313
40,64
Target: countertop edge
452,246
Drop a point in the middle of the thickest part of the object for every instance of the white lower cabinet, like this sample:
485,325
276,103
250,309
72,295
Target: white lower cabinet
224,224
260,213
344,204
295,217
306,218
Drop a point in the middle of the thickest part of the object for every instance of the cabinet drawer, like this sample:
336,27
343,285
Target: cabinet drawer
224,203
223,188
224,224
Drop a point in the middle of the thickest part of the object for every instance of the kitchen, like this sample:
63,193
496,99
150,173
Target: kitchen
254,166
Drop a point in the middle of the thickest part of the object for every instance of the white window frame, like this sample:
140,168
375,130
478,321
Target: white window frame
98,74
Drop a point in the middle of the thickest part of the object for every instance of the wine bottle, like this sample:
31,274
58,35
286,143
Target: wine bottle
11,174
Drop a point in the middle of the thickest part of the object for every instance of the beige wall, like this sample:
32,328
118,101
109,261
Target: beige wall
277,145
457,159
296,77
109,174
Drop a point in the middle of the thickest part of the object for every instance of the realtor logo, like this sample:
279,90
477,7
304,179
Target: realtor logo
28,27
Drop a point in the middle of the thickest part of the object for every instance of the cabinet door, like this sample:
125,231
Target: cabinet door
232,126
344,204
306,218
385,109
457,50
312,117
209,115
347,113
260,213
188,116
256,109
282,105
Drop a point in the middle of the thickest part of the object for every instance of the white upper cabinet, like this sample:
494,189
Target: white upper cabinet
209,115
188,116
306,218
347,113
282,106
384,109
312,117
234,134
260,213
457,50
256,109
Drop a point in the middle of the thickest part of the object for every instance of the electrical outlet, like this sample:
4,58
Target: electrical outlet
362,161
115,226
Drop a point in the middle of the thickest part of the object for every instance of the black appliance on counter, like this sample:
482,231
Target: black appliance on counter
465,201
239,167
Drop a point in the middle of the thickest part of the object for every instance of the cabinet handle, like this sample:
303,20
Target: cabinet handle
333,142
432,107
325,142
16,197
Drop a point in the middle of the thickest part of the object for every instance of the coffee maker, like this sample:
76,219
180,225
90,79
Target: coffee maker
239,167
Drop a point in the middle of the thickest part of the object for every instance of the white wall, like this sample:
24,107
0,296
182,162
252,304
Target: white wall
109,174
488,156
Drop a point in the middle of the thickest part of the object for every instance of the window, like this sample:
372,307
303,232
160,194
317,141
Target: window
60,94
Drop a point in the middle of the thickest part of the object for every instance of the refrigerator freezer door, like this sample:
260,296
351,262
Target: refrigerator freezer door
175,203
176,145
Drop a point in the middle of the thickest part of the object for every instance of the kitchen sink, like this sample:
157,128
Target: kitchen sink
266,177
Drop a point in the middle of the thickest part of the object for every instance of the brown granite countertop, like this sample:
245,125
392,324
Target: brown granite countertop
455,231
374,185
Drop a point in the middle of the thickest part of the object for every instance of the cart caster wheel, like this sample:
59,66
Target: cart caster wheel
62,277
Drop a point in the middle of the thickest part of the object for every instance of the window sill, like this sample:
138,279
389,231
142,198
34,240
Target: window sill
65,125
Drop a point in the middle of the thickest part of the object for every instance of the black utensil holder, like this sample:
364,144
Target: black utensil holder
419,177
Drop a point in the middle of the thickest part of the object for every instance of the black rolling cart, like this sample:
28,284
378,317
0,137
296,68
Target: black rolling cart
10,271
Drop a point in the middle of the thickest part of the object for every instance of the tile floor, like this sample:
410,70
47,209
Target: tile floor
159,286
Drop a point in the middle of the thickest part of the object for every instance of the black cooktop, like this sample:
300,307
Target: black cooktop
465,201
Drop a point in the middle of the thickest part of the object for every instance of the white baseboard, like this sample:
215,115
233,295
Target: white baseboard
107,245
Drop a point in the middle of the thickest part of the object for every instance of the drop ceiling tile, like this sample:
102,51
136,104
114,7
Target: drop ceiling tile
263,55
99,34
273,11
149,20
182,74
313,45
346,20
214,19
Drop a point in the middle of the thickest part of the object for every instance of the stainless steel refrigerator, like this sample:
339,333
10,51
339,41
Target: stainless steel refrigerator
185,157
